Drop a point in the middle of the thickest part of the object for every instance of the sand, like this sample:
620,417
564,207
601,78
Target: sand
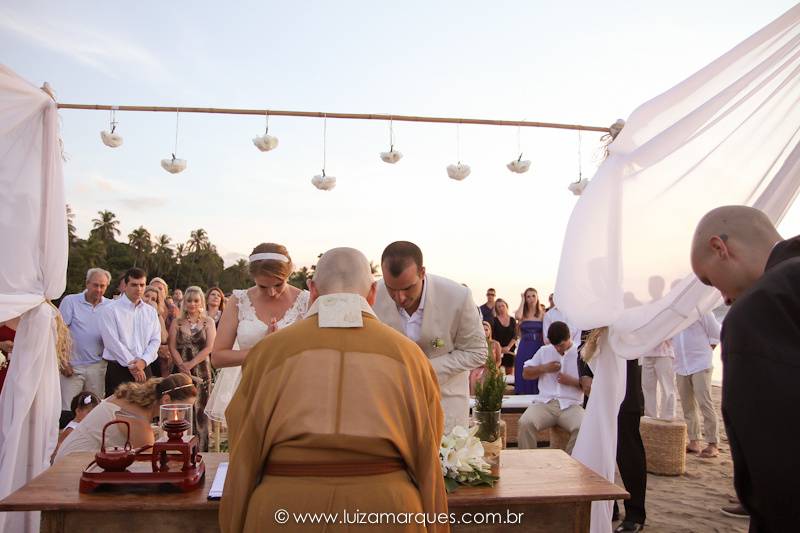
691,502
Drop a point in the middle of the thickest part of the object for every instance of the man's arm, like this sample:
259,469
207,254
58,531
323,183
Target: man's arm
469,346
111,341
154,342
66,310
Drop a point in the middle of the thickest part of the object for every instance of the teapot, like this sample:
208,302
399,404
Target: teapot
115,459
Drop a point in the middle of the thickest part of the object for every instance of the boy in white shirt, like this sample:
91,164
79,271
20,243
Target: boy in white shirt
560,395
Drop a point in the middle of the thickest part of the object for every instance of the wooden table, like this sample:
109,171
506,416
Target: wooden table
551,490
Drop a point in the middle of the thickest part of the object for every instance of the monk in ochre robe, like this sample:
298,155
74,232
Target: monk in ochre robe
335,414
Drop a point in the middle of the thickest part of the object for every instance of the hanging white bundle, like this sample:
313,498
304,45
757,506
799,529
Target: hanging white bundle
392,156
458,171
519,166
109,138
323,182
577,187
265,142
174,165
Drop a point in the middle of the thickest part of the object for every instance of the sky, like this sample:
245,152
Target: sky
570,62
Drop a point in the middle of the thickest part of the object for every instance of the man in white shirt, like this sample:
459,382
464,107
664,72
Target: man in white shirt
694,348
440,316
86,370
554,314
131,334
658,381
560,395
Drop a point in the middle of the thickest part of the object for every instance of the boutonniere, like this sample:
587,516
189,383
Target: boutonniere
437,343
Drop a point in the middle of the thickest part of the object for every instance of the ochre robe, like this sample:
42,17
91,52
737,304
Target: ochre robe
311,394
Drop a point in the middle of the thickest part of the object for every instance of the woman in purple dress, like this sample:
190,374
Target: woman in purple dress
529,316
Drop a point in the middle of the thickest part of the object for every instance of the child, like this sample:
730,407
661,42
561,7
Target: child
81,405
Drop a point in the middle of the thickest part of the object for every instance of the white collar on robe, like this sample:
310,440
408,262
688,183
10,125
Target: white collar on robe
340,310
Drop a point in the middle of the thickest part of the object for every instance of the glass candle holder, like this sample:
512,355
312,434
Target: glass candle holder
176,420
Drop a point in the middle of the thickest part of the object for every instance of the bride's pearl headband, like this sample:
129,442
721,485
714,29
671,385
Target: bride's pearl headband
269,257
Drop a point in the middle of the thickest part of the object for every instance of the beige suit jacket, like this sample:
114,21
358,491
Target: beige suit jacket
450,314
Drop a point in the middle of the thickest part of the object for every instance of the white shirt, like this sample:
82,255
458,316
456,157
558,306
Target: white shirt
549,387
83,320
693,352
413,324
555,315
129,331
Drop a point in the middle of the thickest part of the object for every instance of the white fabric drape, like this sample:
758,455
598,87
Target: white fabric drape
729,134
33,240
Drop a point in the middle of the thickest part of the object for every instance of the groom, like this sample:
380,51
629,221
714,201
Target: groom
440,316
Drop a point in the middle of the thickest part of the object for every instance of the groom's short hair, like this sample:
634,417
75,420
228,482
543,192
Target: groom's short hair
399,255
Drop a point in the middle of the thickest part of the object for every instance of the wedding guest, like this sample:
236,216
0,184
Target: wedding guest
162,287
560,394
177,297
81,405
658,381
190,340
550,303
249,316
215,304
554,314
504,327
86,370
694,349
374,413
162,366
738,250
476,374
8,330
131,334
487,309
530,316
440,316
120,288
135,403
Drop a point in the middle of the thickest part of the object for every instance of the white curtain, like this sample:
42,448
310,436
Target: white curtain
33,241
729,134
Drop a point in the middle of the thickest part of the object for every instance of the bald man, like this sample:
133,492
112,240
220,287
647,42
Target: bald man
337,413
738,250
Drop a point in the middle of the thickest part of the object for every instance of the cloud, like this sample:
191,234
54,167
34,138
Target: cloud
104,51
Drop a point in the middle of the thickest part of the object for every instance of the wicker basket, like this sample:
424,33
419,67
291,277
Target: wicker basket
512,425
559,438
665,445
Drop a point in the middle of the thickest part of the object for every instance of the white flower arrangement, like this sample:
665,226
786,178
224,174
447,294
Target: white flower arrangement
3,360
461,455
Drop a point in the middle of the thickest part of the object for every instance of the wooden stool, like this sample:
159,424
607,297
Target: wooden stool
512,425
559,438
665,445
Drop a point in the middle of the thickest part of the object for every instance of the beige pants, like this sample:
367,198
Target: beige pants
90,378
658,373
695,389
541,416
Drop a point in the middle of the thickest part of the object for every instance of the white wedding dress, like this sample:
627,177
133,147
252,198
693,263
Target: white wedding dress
250,330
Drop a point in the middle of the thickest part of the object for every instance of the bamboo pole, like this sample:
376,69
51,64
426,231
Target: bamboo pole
318,114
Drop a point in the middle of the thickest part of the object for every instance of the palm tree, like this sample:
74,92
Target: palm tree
163,252
106,227
94,252
139,239
71,231
374,269
180,251
198,240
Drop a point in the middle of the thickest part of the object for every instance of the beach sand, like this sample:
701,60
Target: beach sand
691,502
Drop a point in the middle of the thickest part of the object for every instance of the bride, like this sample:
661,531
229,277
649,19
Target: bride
249,316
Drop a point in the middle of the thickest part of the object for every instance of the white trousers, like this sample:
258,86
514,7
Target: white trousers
658,385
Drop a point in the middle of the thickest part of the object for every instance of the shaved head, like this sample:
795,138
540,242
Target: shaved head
343,270
730,248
